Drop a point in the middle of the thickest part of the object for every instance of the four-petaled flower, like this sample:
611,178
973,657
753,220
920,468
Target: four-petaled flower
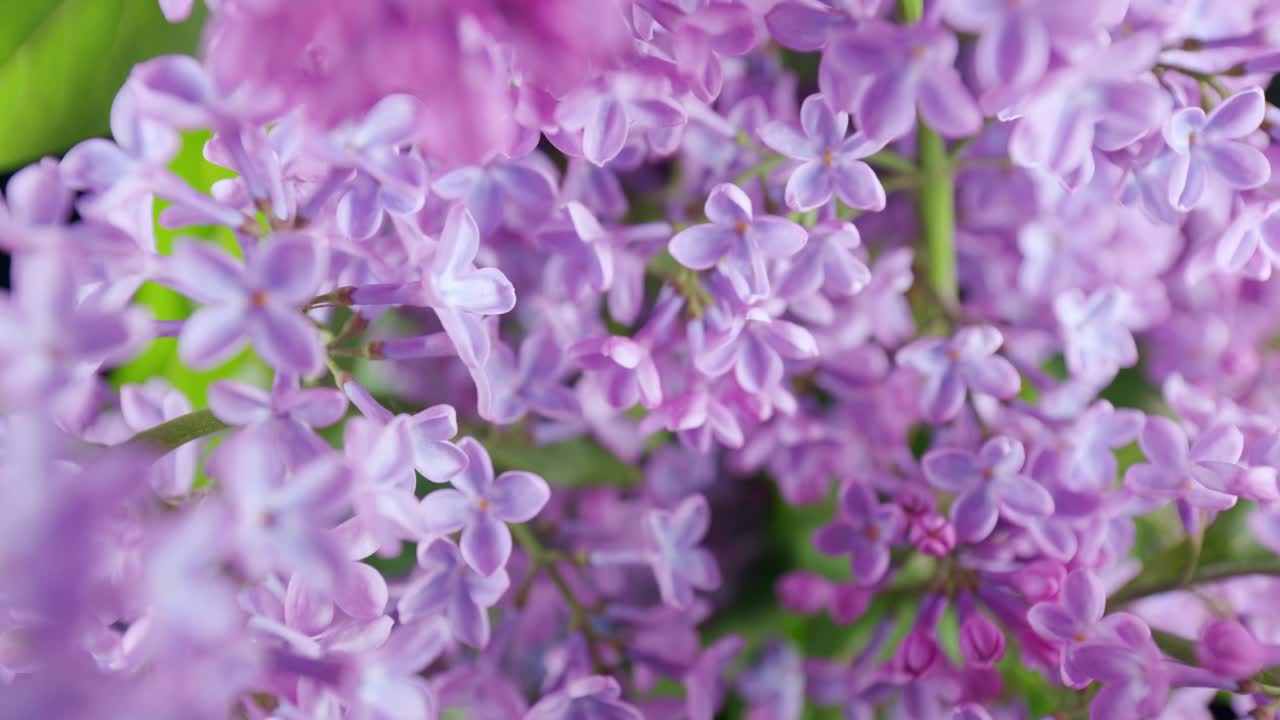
482,505
448,586
259,301
966,361
989,484
865,531
1210,145
736,242
1203,473
679,565
832,163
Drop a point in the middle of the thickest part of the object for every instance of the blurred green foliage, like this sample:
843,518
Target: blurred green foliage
62,61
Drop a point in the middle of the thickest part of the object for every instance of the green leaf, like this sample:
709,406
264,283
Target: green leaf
62,61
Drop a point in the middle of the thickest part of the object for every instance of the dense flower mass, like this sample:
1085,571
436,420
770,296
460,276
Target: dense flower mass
665,359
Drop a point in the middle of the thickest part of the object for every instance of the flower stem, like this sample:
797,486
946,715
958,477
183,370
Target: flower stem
1158,578
936,213
179,431
543,559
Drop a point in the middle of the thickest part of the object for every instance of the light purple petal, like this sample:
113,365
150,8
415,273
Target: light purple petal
857,185
888,108
992,375
827,128
809,186
1241,166
1187,180
728,205
784,139
206,273
518,496
486,543
290,269
1052,622
777,237
700,247
239,404
1163,442
285,340
1181,126
1237,116
605,131
974,515
1222,443
946,105
211,335
446,511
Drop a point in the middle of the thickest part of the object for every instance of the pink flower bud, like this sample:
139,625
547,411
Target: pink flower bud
1227,648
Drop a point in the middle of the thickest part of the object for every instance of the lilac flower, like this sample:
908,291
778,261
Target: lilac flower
827,263
1202,474
866,531
1096,102
449,587
281,521
965,362
679,565
260,301
703,684
381,458
1016,41
510,385
582,260
1091,462
595,697
753,347
145,406
737,243
626,369
808,25
989,486
386,179
832,163
598,120
462,295
1210,146
288,413
1075,619
52,343
1228,649
981,642
428,432
35,207
500,190
1250,245
911,69
1096,331
480,507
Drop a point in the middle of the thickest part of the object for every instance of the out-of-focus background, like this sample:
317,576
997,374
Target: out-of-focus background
61,62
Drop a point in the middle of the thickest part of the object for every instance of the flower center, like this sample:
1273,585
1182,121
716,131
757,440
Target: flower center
258,298
917,52
873,533
826,158
484,504
740,226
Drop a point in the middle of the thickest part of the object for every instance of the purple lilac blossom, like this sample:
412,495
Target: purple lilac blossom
655,273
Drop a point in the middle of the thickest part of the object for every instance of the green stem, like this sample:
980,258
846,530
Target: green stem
1164,578
544,559
890,160
936,213
179,431
912,10
1175,646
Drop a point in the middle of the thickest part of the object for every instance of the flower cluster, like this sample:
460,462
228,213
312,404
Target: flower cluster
546,334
